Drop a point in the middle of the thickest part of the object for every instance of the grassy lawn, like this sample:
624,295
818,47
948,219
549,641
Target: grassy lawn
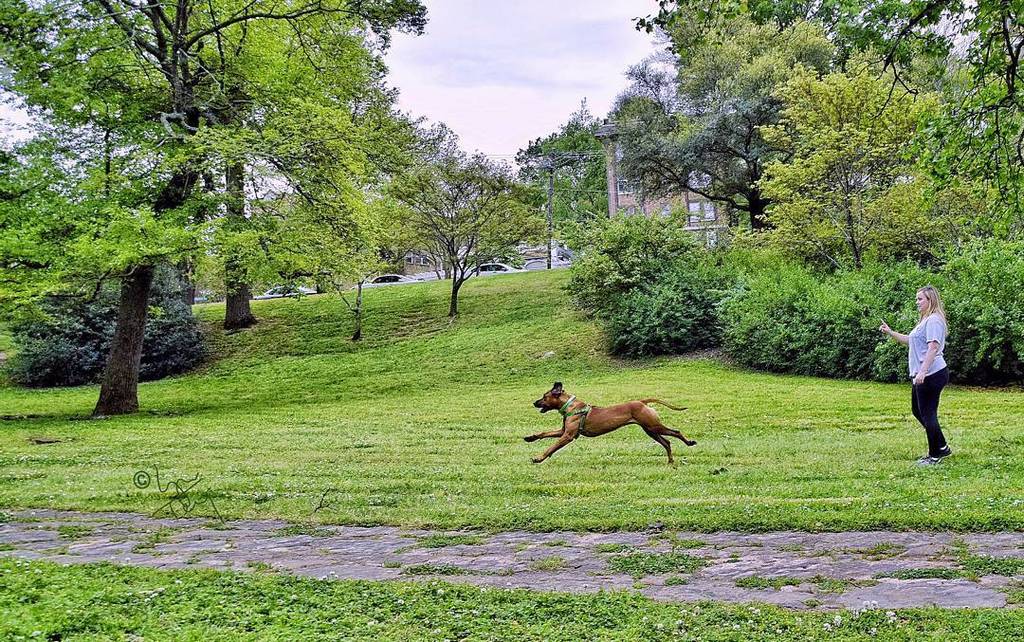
43,601
422,424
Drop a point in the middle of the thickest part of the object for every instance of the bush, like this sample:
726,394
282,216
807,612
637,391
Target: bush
791,319
655,289
69,343
659,293
676,314
985,302
623,254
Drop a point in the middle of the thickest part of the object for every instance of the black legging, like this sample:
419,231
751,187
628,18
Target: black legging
924,402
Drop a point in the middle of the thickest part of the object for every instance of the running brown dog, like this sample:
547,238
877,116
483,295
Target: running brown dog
591,421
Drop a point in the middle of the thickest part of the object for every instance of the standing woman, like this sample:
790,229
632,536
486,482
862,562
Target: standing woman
928,369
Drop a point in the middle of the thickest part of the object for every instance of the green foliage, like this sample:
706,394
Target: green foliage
979,565
678,313
788,319
74,532
622,254
700,129
759,582
434,569
552,563
842,191
923,574
986,311
655,288
967,50
578,160
68,345
442,541
792,319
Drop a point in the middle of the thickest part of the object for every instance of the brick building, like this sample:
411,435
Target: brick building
703,217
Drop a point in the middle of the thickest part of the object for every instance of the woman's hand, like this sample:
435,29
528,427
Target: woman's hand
884,328
919,378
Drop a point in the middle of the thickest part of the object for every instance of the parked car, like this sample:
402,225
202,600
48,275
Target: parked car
486,269
388,279
283,291
542,264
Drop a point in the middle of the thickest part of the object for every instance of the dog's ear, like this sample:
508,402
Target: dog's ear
557,388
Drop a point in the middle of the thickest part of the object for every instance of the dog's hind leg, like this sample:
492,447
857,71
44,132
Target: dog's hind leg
665,430
661,440
544,435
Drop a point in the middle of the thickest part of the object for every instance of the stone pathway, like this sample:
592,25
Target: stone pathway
792,569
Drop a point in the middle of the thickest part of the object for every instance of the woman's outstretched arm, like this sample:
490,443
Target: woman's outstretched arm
885,329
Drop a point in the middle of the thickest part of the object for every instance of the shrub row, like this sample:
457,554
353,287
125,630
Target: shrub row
658,293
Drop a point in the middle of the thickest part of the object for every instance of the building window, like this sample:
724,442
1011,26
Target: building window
666,210
624,187
709,210
694,208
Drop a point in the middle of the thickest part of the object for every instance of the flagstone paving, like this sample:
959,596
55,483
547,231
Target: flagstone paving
792,569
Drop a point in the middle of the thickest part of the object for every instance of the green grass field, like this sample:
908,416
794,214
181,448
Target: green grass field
43,601
422,424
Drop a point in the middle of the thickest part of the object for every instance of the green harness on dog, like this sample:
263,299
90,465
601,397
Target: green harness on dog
582,412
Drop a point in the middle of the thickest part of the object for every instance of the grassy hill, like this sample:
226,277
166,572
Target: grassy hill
422,422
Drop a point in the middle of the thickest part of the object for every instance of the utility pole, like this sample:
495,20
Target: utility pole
551,218
607,133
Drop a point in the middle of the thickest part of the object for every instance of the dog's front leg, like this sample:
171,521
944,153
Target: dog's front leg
565,439
544,435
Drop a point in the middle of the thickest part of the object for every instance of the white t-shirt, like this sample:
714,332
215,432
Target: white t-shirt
931,328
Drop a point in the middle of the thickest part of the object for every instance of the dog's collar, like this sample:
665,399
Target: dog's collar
562,411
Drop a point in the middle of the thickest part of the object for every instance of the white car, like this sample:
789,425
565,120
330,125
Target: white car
283,291
486,269
542,264
388,279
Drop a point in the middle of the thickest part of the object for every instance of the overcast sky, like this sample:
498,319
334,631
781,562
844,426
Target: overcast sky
503,73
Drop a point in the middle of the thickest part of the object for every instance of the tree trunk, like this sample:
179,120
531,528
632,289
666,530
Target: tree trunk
358,312
187,277
119,393
453,306
237,313
758,205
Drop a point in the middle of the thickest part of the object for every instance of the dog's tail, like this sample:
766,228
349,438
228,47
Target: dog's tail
667,405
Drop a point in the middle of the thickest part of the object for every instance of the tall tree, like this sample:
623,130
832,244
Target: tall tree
696,127
153,81
979,136
848,188
576,158
467,210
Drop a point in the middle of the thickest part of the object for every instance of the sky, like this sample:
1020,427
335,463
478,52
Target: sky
501,73
504,73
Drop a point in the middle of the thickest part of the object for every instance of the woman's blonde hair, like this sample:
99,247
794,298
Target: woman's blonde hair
934,302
